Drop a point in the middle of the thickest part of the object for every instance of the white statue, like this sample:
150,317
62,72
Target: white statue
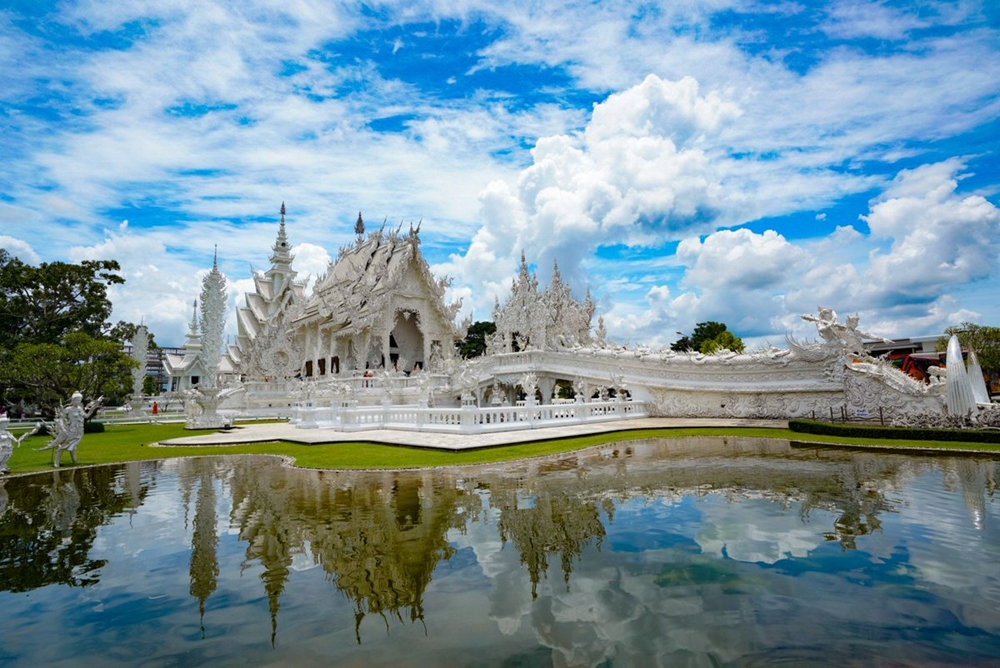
529,383
8,442
67,428
841,335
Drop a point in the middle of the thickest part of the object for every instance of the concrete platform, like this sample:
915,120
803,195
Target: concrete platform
258,433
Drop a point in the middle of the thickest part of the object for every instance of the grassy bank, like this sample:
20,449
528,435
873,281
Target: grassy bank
121,443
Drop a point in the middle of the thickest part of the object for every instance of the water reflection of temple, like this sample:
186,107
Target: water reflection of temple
379,537
377,541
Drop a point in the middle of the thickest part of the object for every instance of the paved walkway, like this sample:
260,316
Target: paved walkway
257,433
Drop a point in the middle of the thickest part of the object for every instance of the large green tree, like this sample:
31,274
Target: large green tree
44,303
709,337
55,337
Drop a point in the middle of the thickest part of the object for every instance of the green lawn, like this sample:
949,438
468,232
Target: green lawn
121,443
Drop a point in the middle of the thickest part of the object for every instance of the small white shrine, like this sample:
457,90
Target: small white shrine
187,370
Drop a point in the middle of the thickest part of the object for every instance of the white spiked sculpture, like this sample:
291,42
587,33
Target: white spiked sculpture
204,400
960,398
979,390
140,346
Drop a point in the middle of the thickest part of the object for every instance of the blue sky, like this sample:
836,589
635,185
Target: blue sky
730,160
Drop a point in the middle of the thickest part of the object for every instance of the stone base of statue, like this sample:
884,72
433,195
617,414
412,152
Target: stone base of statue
202,407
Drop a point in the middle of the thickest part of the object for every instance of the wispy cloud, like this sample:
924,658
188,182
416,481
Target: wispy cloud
194,120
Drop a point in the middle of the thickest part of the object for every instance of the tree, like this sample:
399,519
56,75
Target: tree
984,340
474,344
725,340
42,304
55,337
359,226
709,337
149,386
682,345
125,332
46,374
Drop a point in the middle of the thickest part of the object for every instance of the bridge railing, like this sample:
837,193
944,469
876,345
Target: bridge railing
465,419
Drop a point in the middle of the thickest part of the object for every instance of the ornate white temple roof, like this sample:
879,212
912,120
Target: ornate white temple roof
358,286
275,292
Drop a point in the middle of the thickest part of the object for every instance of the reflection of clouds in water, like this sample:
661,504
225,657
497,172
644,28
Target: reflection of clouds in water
946,530
620,612
614,607
510,590
771,536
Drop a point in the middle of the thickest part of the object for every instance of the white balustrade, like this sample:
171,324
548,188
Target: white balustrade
466,419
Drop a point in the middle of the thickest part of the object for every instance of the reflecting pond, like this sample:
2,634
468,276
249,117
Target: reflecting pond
692,552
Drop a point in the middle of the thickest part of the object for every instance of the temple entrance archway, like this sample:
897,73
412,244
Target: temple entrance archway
406,342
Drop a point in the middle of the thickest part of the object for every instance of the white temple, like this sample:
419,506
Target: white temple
374,347
187,370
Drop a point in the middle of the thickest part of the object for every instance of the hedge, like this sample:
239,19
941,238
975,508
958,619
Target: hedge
898,433
89,427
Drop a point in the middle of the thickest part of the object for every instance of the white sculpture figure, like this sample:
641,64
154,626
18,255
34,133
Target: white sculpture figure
618,384
496,398
838,335
959,396
529,383
67,428
8,442
854,338
825,325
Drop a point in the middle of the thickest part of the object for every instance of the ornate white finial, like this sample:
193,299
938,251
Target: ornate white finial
194,318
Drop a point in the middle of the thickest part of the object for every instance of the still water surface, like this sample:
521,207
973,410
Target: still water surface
696,552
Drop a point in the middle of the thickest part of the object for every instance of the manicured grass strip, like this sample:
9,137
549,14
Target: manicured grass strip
121,443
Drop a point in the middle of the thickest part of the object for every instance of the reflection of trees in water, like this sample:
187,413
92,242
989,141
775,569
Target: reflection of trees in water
857,494
377,537
549,521
51,520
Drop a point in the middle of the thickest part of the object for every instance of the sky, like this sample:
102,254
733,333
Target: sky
733,160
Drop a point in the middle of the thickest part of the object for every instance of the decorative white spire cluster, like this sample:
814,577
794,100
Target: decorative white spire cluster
213,322
547,320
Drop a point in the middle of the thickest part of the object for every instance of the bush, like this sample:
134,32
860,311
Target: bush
93,427
88,428
895,433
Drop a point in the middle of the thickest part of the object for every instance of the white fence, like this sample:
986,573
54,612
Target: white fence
467,419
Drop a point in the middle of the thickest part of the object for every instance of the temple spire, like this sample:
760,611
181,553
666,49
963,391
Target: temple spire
192,342
194,318
282,254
